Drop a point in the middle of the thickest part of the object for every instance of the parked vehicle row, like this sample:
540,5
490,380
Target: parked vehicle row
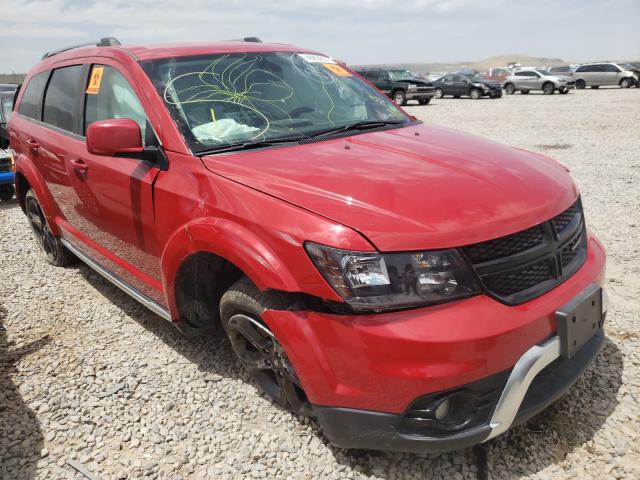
409,287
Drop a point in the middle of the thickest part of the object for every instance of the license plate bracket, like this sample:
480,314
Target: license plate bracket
579,319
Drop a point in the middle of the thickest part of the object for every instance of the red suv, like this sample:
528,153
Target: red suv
408,286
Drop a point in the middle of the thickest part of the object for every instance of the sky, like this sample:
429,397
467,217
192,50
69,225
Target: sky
358,32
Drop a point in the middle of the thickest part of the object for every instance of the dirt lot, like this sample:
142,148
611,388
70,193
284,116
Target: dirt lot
88,375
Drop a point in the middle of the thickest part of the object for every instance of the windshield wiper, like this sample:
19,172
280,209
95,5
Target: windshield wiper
250,145
363,125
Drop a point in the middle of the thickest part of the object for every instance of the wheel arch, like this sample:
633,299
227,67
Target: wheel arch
26,177
214,245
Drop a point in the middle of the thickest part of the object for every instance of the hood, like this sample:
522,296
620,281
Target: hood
410,188
415,81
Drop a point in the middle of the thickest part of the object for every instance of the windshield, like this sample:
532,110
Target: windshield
223,100
400,75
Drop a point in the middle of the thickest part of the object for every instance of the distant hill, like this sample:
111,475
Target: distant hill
11,77
481,65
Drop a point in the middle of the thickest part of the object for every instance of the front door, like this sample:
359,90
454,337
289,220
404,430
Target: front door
119,218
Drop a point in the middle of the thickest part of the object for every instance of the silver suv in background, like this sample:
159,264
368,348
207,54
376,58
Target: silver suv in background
526,80
596,75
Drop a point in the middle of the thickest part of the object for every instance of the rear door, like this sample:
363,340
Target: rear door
448,86
611,75
119,222
60,133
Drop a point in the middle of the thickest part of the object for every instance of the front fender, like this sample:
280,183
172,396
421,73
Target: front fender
230,241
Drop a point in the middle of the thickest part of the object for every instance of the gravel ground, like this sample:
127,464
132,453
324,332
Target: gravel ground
89,377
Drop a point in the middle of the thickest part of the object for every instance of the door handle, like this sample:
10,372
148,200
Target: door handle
33,145
79,165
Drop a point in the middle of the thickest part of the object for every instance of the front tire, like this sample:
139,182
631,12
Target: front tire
625,83
54,252
548,88
439,93
581,84
400,97
509,89
257,348
475,93
424,101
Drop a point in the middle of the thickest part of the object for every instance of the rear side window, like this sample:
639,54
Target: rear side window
113,98
62,99
32,98
611,68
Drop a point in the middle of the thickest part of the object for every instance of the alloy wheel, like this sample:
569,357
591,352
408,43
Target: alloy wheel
264,358
439,93
41,231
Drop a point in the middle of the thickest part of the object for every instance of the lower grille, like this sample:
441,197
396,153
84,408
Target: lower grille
522,266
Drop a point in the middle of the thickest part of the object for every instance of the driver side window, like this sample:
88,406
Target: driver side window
109,95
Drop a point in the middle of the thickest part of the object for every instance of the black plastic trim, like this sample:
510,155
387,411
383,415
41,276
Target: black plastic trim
364,429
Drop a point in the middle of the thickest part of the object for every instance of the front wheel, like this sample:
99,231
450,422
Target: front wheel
6,192
54,252
400,97
509,89
439,93
581,84
257,348
424,101
475,93
548,88
625,83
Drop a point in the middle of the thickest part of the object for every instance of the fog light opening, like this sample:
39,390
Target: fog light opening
442,410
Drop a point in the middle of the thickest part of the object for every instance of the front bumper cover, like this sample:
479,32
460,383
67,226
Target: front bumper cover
538,379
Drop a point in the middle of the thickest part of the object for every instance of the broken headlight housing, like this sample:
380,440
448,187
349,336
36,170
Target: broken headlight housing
371,281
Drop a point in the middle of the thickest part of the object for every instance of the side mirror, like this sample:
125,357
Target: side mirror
117,136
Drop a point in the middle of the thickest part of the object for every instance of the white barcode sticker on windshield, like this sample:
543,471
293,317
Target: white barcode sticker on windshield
308,57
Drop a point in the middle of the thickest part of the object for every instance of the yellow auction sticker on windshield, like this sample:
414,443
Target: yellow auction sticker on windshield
95,80
337,69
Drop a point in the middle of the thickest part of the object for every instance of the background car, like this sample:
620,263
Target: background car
400,85
473,86
527,80
596,75
7,175
561,70
497,74
6,105
8,87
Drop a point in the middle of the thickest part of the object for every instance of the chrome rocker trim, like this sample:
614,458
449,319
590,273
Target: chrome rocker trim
125,287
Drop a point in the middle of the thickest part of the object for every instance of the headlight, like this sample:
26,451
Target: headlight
374,281
483,86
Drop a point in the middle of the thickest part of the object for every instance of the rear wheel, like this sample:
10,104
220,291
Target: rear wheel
625,83
580,84
548,88
257,348
439,93
509,89
6,192
424,101
55,253
400,97
475,93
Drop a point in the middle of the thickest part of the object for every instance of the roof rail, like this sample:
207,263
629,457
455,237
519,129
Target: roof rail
104,42
245,39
